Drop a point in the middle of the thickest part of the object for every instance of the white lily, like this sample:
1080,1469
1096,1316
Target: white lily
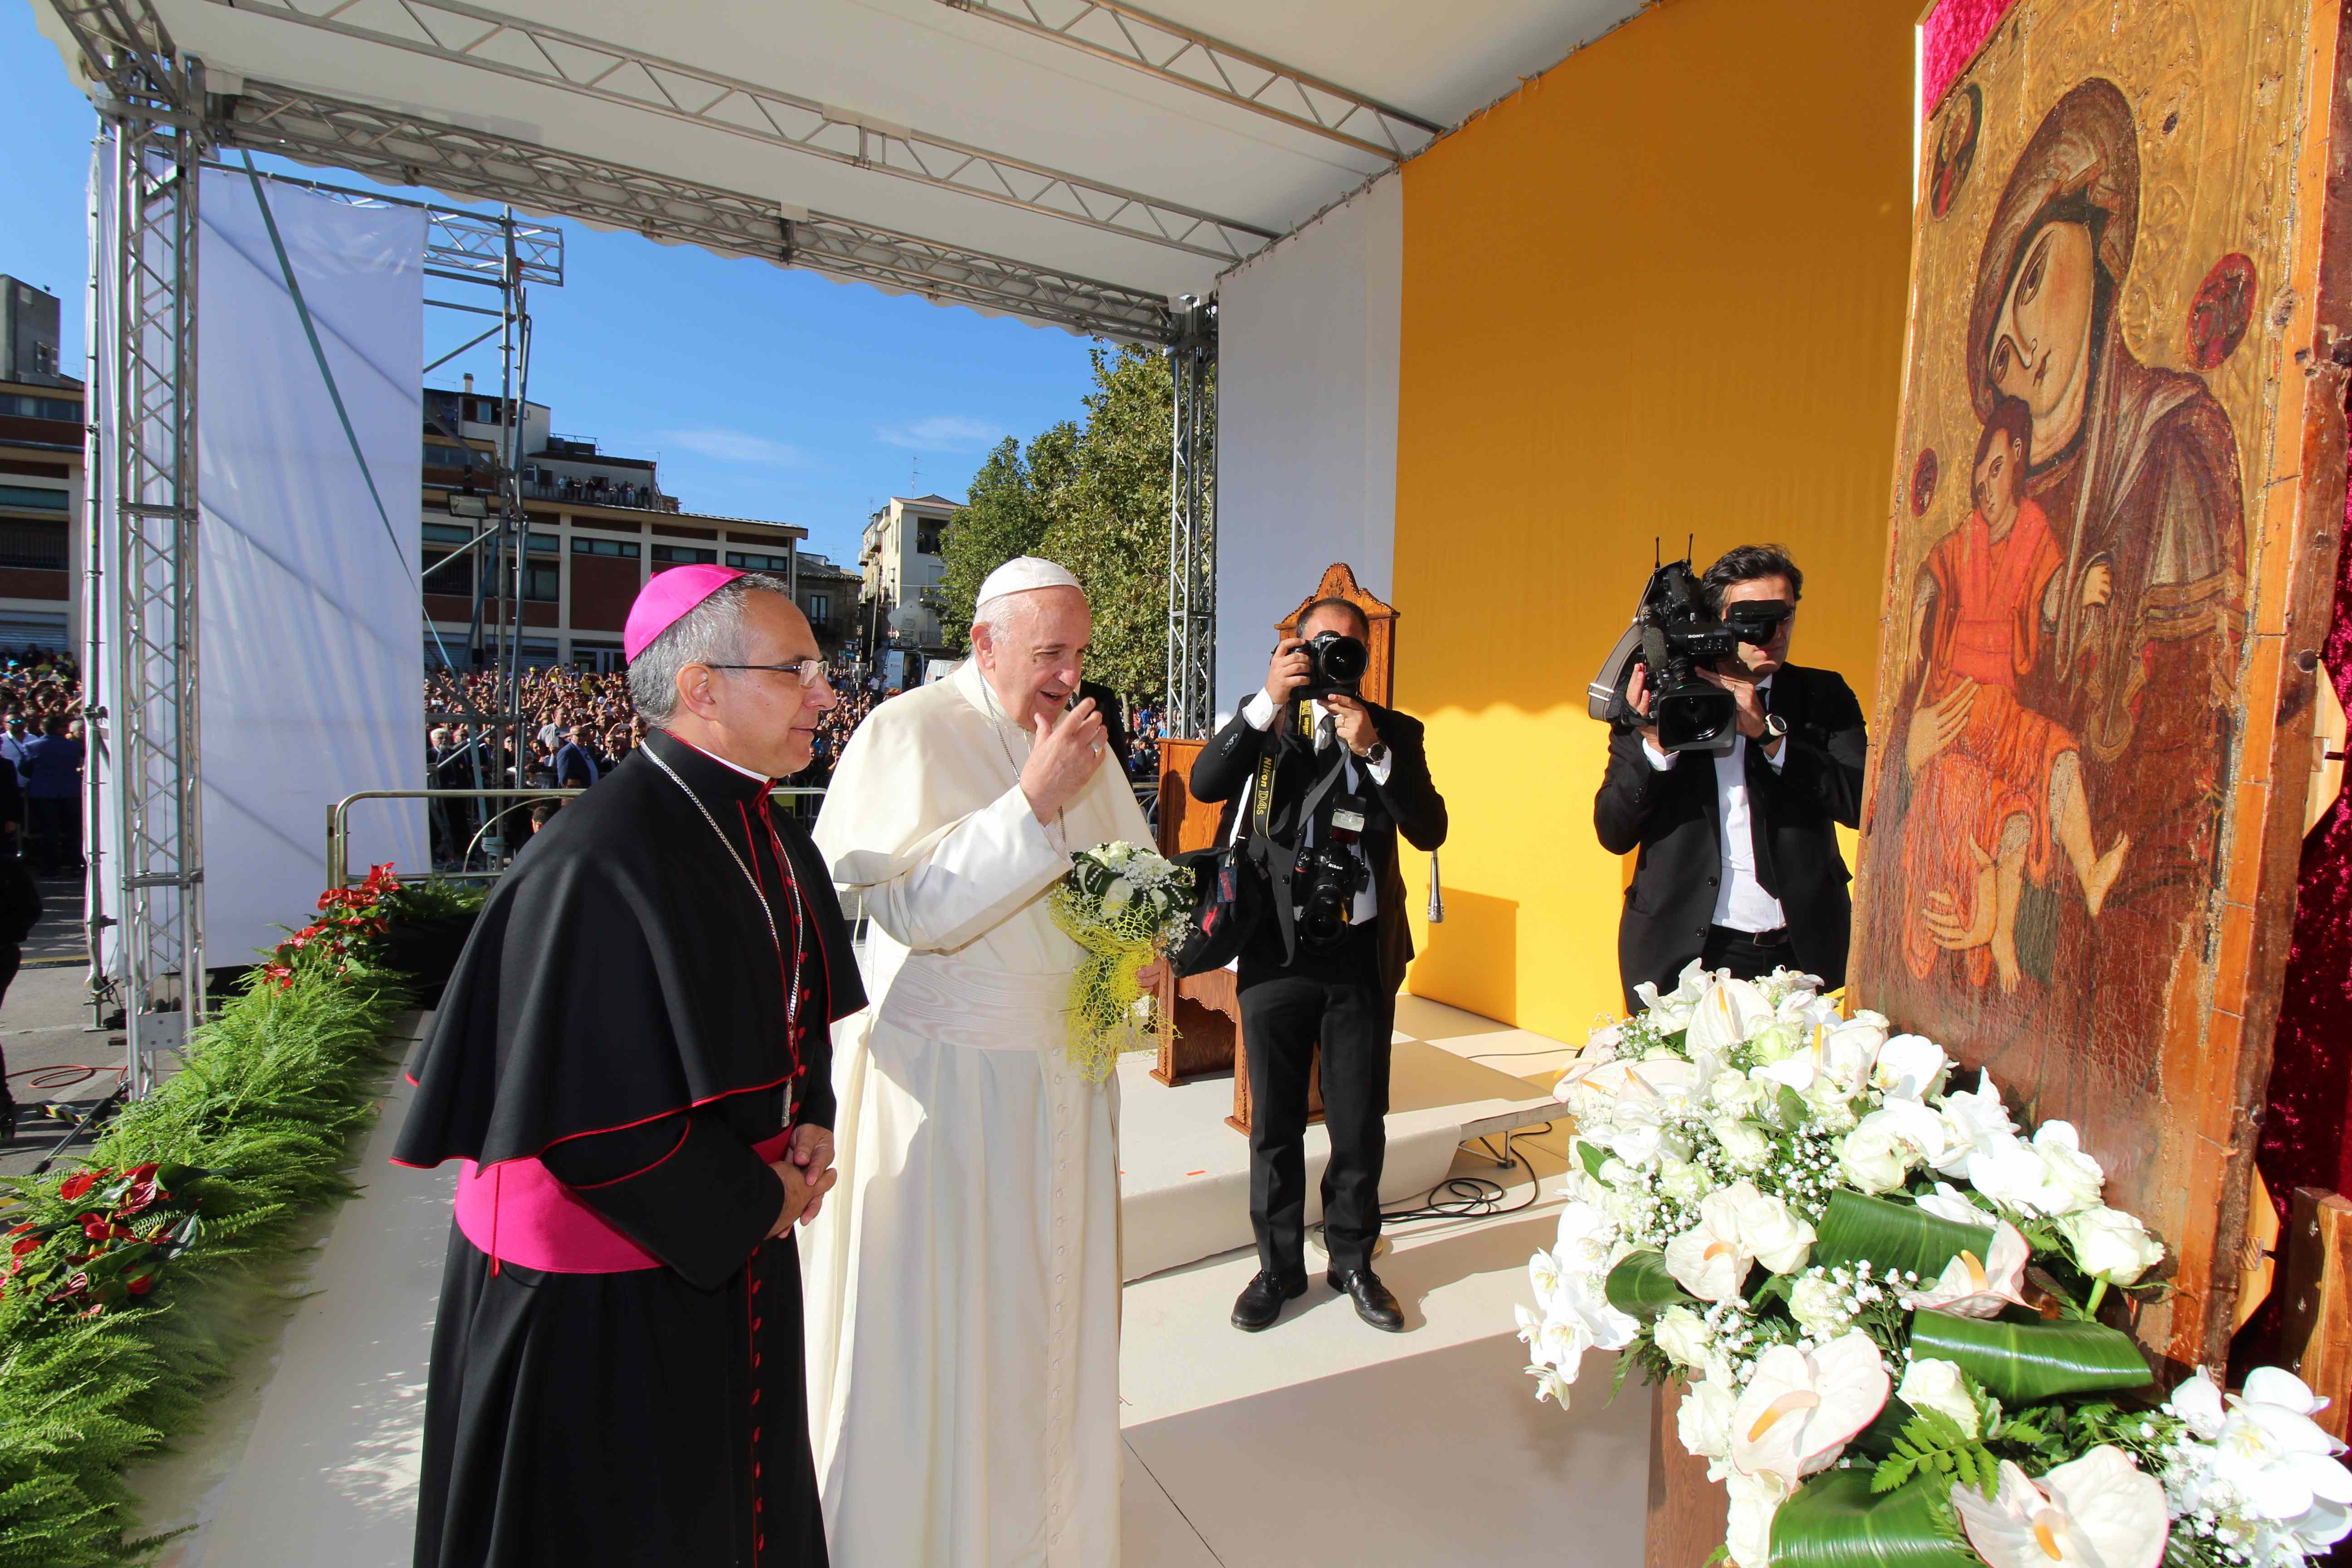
1800,1410
1672,1010
1711,1261
1585,1241
2098,1512
1543,1277
1725,1014
1973,1287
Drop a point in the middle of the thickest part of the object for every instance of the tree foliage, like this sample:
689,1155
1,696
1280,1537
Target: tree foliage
1093,497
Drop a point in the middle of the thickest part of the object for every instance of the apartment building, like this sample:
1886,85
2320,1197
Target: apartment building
42,490
828,593
900,563
600,526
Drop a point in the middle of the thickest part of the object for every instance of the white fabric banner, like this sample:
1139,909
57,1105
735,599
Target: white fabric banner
309,632
1308,334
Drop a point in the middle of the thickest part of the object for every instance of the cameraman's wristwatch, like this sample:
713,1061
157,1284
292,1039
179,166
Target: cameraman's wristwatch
1376,753
1775,728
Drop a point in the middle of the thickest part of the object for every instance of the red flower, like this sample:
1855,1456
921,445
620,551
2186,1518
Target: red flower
140,1285
142,1192
75,1185
24,1245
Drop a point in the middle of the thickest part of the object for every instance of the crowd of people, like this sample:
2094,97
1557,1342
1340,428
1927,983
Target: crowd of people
41,744
578,725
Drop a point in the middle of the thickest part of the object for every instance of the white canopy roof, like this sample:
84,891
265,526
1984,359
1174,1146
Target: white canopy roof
1075,161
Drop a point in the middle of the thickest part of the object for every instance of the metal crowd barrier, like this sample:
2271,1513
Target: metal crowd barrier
490,847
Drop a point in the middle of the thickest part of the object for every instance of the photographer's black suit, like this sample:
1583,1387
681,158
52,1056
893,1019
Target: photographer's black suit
1671,816
1295,995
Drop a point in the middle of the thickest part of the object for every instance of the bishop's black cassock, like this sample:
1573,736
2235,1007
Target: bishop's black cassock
613,1060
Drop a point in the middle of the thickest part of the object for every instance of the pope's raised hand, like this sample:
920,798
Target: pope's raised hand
1066,754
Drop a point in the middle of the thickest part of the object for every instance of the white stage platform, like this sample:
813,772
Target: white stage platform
1185,1173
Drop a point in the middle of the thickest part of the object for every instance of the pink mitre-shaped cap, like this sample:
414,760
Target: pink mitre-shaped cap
669,595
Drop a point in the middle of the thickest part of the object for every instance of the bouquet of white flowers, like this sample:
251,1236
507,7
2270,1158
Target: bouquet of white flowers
1882,1297
1121,904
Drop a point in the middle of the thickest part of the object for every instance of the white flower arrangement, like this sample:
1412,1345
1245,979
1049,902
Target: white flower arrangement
1881,1296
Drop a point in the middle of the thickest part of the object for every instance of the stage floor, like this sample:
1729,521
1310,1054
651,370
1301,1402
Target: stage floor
1318,1441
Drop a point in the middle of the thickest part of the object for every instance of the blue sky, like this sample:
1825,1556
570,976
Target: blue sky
764,393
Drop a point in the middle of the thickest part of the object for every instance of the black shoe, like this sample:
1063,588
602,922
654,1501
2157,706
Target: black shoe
1375,1302
1260,1302
8,1120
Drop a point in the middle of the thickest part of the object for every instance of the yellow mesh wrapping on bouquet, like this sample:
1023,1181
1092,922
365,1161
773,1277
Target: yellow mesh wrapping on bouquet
1101,1017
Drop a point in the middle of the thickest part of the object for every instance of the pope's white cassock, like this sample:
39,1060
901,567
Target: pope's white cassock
963,1278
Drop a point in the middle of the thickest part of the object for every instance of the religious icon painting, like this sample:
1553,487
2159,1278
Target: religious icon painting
1955,146
2080,663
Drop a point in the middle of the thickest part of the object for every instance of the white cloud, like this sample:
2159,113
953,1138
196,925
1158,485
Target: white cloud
944,433
736,447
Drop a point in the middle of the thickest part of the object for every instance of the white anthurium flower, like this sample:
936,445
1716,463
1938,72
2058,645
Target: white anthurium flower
1726,1014
2098,1512
2111,1244
2071,1180
1910,1067
1797,1069
1931,1384
1973,1117
1703,1421
1948,1201
1777,1238
1708,1259
1887,1144
1672,1010
1799,1410
1744,1143
1973,1287
2092,1512
1748,1526
1683,1335
2282,1463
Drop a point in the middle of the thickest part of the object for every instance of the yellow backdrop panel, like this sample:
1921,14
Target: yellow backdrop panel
1657,292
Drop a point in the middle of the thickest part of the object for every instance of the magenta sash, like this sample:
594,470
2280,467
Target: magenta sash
517,1212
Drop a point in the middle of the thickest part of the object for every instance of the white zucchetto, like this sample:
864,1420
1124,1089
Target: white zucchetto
1022,574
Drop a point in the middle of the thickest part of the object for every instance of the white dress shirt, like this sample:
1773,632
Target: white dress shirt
1259,713
1741,902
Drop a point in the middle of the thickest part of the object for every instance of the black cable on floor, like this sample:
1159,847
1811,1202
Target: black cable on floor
1466,1197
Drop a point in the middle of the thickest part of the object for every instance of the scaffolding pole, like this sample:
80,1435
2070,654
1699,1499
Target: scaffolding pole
1193,523
151,104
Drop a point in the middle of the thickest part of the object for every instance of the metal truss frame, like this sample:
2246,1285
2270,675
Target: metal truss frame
405,150
468,34
1188,58
150,100
1192,525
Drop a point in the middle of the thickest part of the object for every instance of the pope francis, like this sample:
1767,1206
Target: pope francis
964,1284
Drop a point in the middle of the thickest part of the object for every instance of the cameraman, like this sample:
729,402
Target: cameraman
1326,965
1739,865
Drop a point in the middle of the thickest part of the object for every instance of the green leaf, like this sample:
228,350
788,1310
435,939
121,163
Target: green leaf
1794,1111
1835,1521
1640,1287
1592,1156
1894,1236
2022,1360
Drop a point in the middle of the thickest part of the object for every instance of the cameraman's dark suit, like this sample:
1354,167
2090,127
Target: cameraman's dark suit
1671,816
1296,994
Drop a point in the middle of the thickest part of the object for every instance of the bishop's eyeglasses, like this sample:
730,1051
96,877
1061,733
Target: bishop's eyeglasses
807,671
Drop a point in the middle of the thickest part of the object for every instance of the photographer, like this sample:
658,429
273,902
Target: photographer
1739,865
1348,777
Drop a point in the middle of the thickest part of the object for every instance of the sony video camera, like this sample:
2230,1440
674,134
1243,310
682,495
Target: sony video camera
1673,634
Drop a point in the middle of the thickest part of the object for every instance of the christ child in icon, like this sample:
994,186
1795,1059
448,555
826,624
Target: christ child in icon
1994,785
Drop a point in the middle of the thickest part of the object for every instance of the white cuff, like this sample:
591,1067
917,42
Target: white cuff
1663,761
1259,711
1777,758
